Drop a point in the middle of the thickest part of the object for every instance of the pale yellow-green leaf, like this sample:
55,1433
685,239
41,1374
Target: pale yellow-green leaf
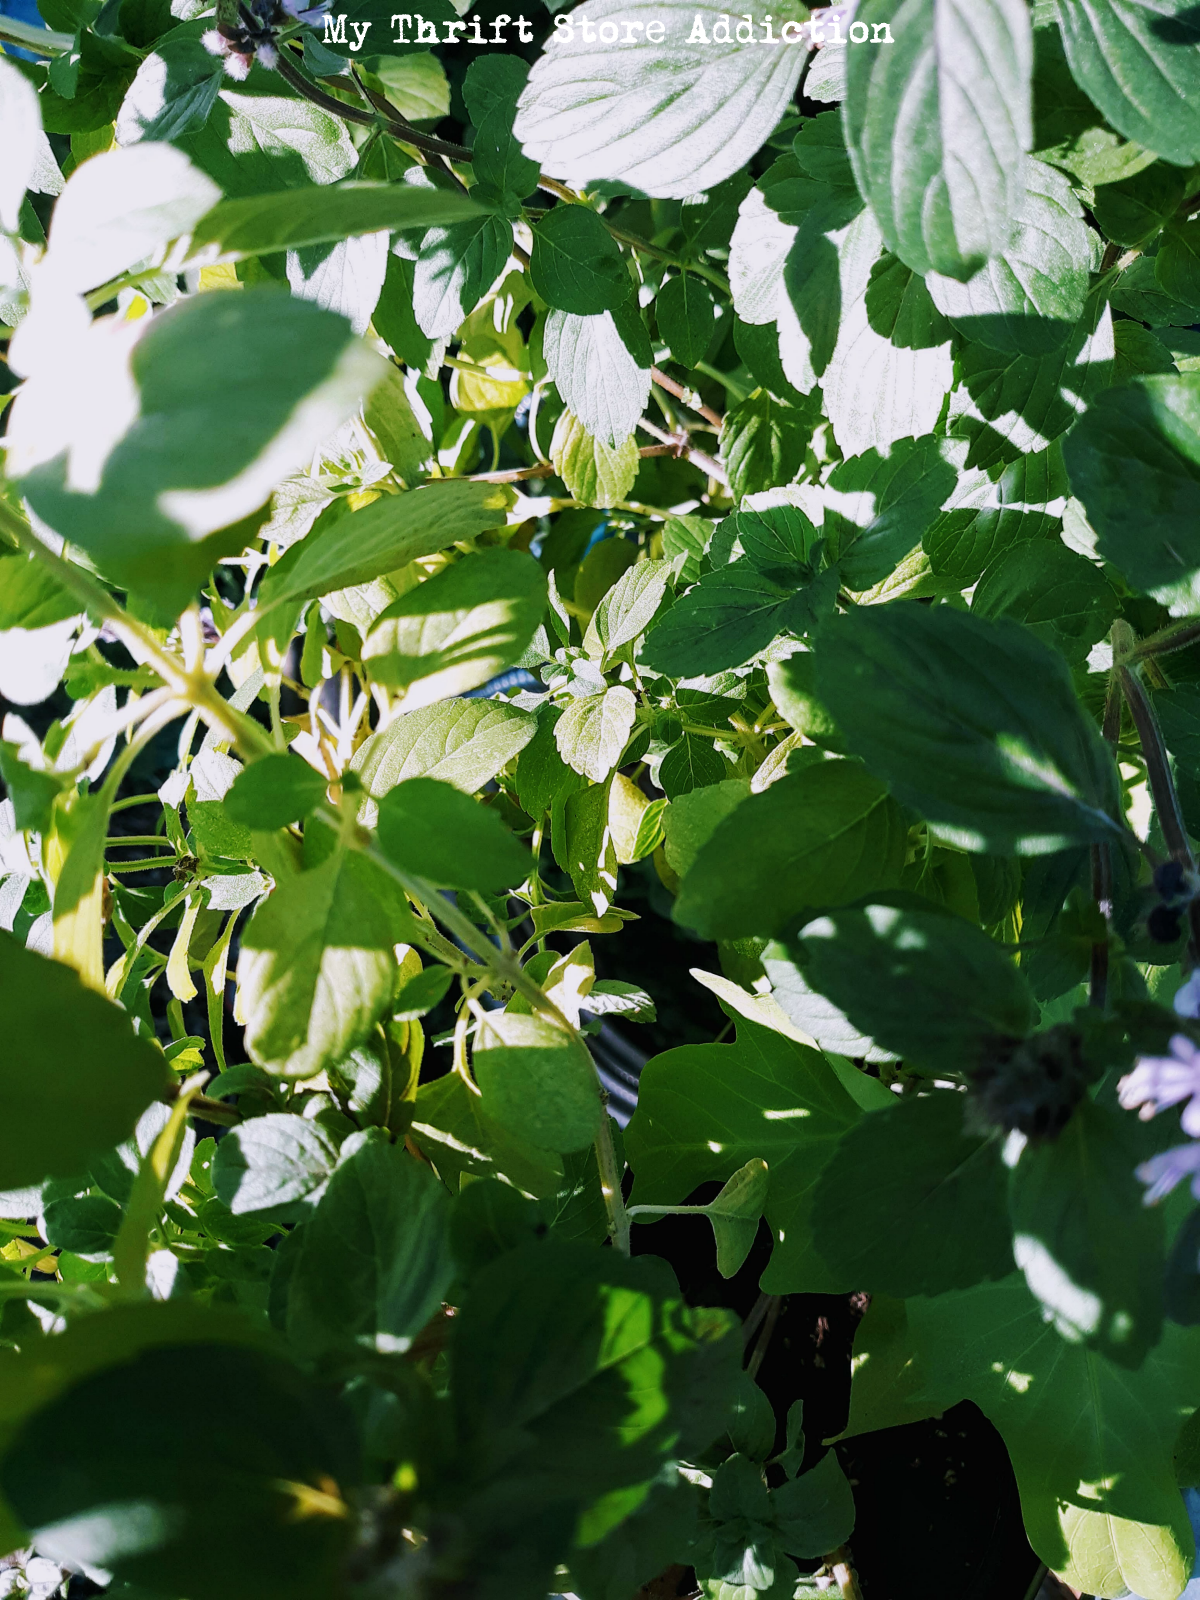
595,473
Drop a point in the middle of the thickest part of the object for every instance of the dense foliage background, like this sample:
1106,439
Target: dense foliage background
555,549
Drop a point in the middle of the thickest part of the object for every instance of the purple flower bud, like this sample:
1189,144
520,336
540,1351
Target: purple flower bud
1164,1172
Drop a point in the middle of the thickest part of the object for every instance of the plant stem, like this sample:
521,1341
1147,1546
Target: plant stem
688,397
1101,862
1158,768
1165,640
41,41
610,1187
844,1574
684,451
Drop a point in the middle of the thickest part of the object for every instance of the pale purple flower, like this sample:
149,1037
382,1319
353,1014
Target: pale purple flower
1164,1172
1187,1001
1157,1082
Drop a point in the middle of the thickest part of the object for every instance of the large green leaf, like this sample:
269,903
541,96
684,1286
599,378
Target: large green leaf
997,510
272,1161
1091,1252
264,139
1057,594
317,966
458,629
912,1204
920,982
537,1081
153,475
254,225
434,830
1030,296
575,264
463,742
627,1378
455,269
1091,1443
76,1077
670,116
891,369
601,367
1134,460
973,723
705,1110
815,838
145,1492
1009,404
877,507
731,615
384,536
1138,62
374,1259
938,127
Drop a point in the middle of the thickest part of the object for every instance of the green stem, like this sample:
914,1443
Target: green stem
41,41
1158,768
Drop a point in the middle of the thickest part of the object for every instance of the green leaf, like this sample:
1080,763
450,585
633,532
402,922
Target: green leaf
911,1204
260,142
273,792
1009,404
271,1161
503,175
453,1130
463,742
763,442
384,536
32,793
575,264
891,369
735,1214
1134,461
686,313
627,610
814,1513
671,117
815,838
595,473
1030,296
1058,595
973,723
458,629
878,507
263,1443
435,831
537,1081
601,367
76,1076
1139,294
1132,211
1138,64
589,853
692,819
1091,1252
316,967
255,225
731,615
1090,1442
86,1225
618,1347
593,731
374,1260
997,510
174,474
704,1111
455,269
31,596
938,127
121,207
921,982
1177,265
